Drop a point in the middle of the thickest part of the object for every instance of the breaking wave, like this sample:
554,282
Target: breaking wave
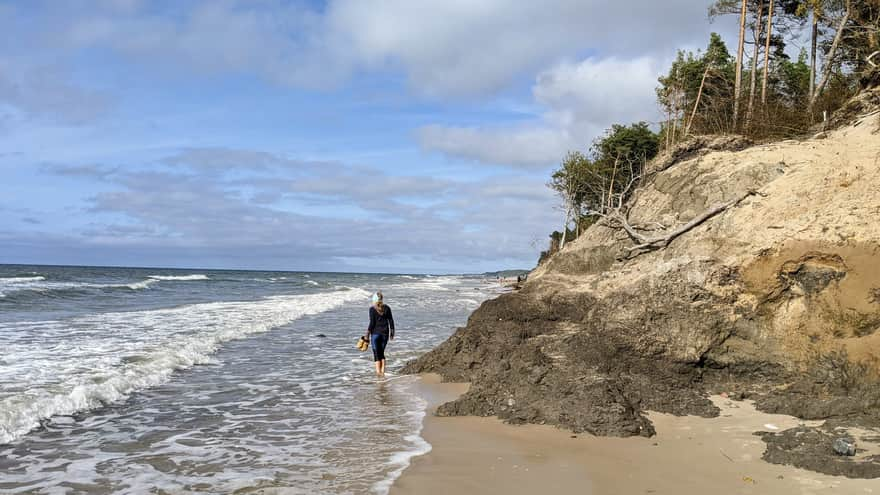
195,276
130,351
28,287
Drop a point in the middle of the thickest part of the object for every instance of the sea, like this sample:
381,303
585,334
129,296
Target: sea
169,381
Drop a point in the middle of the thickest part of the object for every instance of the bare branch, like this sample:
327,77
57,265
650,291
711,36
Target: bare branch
650,243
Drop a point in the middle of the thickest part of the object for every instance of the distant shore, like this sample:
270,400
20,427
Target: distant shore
689,455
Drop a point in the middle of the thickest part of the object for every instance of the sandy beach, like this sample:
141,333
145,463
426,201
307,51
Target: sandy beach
688,455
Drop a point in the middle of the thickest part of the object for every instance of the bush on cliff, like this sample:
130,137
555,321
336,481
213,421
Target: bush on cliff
590,184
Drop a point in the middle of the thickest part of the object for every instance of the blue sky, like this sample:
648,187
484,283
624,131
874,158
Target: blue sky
403,136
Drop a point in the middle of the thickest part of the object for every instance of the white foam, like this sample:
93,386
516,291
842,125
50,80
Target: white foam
143,284
401,460
19,280
40,284
14,284
195,276
129,351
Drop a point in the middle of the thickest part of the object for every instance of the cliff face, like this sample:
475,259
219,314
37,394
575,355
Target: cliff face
777,297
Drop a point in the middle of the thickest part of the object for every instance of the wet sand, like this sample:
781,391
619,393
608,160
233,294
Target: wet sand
689,455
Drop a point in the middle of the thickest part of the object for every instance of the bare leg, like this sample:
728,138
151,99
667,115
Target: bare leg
378,368
382,367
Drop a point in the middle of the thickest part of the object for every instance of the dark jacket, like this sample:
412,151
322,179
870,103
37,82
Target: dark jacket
381,324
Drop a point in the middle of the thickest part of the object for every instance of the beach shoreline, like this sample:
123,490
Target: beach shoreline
689,455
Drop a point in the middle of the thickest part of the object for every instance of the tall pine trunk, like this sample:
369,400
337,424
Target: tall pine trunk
753,83
737,88
828,65
813,41
767,55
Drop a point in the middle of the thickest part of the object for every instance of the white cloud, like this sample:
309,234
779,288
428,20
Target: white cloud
454,47
581,100
165,206
535,146
44,93
599,92
467,47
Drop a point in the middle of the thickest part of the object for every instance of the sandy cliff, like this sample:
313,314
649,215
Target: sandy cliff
776,298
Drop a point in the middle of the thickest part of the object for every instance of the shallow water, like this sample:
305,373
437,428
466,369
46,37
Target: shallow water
131,380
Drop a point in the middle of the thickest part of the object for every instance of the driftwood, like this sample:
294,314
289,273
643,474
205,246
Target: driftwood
644,243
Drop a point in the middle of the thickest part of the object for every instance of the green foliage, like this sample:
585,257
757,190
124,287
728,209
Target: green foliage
862,39
678,90
633,144
570,178
589,185
792,81
698,95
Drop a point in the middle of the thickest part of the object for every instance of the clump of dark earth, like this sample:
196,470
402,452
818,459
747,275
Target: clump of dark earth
823,449
524,369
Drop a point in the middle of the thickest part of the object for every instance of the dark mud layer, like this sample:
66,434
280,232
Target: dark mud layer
812,448
535,361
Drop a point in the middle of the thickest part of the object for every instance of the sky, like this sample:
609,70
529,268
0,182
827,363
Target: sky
407,136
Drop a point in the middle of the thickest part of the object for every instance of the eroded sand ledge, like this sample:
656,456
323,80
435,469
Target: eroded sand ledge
689,455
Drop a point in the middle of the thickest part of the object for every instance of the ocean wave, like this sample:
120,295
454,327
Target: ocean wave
19,280
14,286
143,284
167,344
43,288
196,276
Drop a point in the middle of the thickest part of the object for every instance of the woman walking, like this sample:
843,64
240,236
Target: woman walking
380,331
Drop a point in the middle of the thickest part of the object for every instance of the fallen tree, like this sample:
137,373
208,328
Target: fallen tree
617,217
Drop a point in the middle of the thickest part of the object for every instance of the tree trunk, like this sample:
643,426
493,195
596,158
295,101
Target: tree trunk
687,128
828,66
739,63
753,83
564,229
674,109
611,187
813,42
668,125
767,55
